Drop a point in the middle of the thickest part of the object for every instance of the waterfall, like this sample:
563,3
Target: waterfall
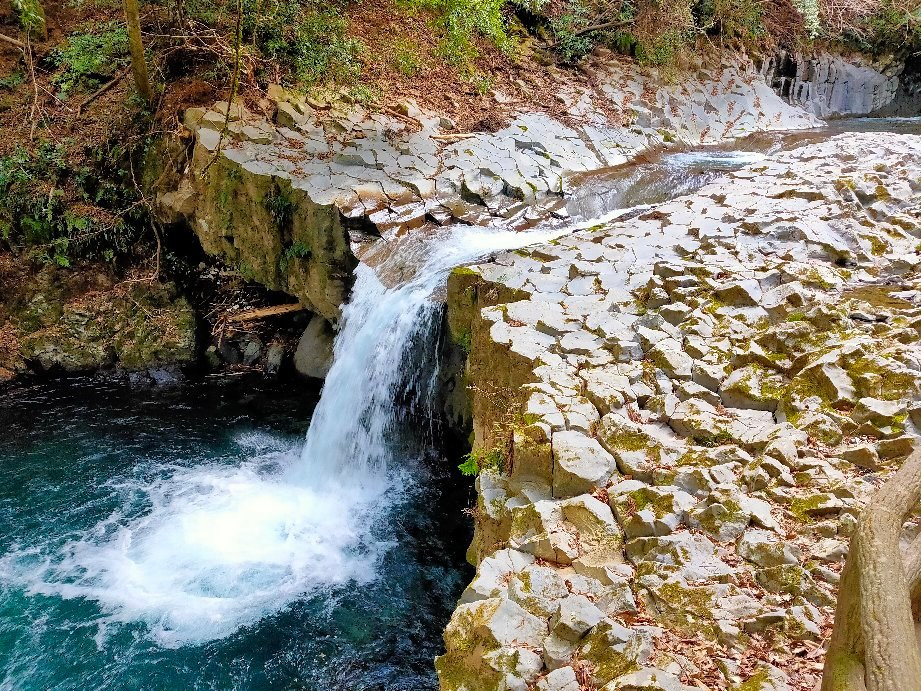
197,550
387,347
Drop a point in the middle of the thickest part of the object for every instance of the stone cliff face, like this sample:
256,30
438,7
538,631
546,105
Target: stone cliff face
250,214
674,415
830,85
83,321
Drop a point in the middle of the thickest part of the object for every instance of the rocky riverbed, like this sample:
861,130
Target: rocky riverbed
703,394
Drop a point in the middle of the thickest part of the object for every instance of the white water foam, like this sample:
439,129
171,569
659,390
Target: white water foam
220,546
715,159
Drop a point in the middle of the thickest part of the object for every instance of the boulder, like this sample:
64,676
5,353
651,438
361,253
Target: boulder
314,354
645,511
766,549
574,617
580,464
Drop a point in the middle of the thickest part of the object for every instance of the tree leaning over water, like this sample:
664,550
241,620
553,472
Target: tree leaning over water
136,46
874,645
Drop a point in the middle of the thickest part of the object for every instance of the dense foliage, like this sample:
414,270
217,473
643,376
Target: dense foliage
658,31
54,211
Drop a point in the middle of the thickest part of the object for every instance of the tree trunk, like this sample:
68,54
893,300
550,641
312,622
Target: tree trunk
138,63
874,646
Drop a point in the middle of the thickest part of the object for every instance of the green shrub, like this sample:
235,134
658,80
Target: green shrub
458,22
296,250
308,38
87,60
891,25
733,19
405,58
477,461
11,81
656,32
572,40
281,208
31,15
53,213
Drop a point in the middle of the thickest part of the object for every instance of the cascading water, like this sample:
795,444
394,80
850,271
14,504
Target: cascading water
200,551
385,349
196,543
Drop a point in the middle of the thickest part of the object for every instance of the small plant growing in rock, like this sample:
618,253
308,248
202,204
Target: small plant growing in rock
475,461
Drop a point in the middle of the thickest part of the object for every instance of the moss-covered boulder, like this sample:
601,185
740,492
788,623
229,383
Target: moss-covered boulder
78,320
250,215
486,641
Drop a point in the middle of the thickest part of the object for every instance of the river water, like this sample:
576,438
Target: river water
242,534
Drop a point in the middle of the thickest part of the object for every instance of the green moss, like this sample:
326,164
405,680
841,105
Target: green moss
712,524
464,271
878,246
815,277
756,682
627,439
607,663
882,382
693,458
660,504
879,296
667,136
714,306
718,439
462,667
296,250
800,507
463,341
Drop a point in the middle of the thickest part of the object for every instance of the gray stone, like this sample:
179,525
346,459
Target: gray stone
648,679
580,464
562,679
575,616
274,358
314,354
767,549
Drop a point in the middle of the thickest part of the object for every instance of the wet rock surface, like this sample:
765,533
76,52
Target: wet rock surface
279,198
704,395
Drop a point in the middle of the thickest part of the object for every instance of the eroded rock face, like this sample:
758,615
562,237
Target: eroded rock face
831,85
717,495
250,214
79,321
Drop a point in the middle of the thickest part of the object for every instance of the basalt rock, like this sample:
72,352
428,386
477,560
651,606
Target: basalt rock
732,489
